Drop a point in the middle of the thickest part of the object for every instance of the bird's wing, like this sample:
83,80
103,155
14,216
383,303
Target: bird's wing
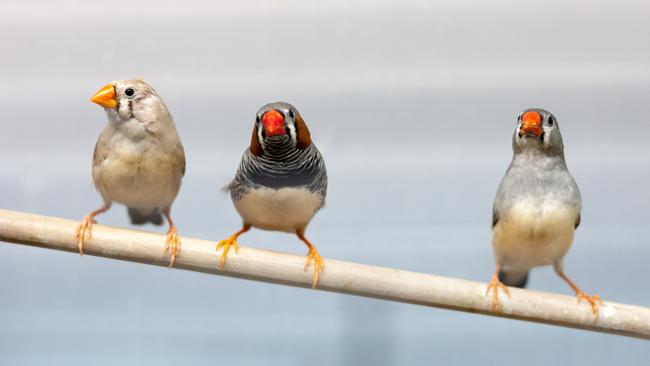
101,147
171,144
495,217
500,199
180,155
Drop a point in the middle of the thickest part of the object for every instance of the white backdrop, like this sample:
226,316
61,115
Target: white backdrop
413,106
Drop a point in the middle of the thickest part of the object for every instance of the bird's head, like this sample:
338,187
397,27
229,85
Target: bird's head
279,126
125,100
537,129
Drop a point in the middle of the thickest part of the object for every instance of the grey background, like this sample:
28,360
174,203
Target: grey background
412,104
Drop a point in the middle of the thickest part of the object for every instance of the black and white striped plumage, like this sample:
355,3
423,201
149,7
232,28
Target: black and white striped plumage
282,167
280,178
282,181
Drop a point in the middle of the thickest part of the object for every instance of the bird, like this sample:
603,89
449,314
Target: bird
281,181
138,161
537,207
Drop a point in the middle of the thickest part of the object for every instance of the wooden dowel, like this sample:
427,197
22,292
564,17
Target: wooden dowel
343,277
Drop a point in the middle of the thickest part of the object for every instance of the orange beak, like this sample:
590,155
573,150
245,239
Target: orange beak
273,122
531,124
105,96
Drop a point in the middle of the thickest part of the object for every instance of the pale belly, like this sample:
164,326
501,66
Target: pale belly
532,235
140,183
285,209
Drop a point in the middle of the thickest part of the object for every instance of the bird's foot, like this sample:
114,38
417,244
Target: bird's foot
319,264
494,285
226,244
84,230
595,301
172,245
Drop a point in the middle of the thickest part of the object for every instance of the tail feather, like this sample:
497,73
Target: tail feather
141,217
514,279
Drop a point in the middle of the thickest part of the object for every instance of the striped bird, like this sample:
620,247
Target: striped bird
281,182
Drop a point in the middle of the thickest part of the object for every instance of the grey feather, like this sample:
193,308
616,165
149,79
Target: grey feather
300,168
514,279
538,170
141,217
538,203
534,176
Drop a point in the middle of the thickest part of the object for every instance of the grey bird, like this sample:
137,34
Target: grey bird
138,161
281,182
537,207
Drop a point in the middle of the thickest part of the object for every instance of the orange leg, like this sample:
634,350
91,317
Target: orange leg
494,285
173,242
594,301
231,242
84,230
312,255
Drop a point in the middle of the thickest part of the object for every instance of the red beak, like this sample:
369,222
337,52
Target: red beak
273,122
531,123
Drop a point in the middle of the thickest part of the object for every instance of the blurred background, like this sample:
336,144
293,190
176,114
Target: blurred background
412,103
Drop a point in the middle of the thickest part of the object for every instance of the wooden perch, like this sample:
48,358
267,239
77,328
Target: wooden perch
343,277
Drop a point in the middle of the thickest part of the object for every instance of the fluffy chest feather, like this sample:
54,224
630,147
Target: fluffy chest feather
284,209
138,174
534,233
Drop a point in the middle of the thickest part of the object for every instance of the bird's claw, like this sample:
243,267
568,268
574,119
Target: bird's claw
494,285
319,264
595,301
226,244
84,230
172,245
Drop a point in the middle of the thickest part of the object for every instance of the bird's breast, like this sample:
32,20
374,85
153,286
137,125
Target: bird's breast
283,209
138,177
533,233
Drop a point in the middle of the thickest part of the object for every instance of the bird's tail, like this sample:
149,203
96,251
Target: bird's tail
514,279
141,217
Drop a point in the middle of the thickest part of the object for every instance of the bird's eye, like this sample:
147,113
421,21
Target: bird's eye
257,119
290,114
551,120
129,92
